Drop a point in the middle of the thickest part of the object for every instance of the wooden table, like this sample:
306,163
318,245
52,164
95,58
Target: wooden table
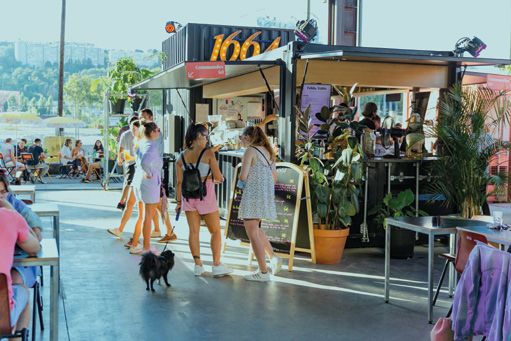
425,225
24,190
52,211
48,256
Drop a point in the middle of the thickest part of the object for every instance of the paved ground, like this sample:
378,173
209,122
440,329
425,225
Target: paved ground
103,297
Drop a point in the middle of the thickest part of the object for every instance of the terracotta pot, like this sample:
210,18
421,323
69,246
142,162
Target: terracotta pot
329,245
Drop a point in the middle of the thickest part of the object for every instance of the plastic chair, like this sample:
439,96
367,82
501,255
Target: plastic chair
5,314
466,242
25,158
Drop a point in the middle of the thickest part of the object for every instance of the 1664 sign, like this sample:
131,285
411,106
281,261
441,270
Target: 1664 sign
240,50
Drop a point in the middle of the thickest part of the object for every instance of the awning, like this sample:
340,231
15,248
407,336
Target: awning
175,77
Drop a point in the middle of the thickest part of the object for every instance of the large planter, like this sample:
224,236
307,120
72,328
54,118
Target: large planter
117,107
137,104
329,245
402,243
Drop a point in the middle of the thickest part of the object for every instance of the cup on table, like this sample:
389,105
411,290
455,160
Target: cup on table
497,218
127,156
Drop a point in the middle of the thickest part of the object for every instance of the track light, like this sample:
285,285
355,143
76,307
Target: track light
473,46
306,30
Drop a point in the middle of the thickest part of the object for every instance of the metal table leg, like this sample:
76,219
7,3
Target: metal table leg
387,263
452,273
54,303
431,258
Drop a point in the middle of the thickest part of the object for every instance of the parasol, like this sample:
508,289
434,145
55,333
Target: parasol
63,122
18,118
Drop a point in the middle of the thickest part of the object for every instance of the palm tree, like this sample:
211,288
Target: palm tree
466,120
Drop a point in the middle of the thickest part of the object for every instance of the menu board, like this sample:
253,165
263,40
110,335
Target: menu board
318,96
281,232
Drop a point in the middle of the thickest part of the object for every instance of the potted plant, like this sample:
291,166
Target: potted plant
402,241
468,121
113,144
118,81
333,181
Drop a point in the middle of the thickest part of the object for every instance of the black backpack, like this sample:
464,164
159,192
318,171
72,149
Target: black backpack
192,186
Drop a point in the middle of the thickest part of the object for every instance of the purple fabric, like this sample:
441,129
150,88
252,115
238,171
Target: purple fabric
482,303
16,203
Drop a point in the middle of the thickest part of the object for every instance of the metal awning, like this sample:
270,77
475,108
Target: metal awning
396,56
175,77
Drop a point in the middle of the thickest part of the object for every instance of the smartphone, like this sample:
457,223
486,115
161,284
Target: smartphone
177,215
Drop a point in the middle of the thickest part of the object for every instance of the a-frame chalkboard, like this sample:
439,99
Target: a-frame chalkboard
292,230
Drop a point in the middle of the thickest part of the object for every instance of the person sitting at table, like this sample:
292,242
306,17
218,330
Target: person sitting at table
98,148
77,153
38,154
10,160
90,168
26,275
21,147
14,230
65,155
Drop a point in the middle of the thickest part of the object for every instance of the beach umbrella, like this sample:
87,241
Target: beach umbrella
63,122
18,118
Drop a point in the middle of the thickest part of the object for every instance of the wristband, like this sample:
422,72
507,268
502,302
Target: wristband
241,184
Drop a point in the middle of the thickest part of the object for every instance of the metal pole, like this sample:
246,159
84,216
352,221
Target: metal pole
308,9
359,23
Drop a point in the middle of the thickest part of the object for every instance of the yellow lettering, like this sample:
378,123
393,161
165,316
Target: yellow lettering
216,48
246,46
225,46
273,45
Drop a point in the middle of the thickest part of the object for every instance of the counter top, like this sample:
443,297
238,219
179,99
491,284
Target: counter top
235,153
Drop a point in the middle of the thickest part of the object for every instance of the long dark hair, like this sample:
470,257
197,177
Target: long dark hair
192,133
96,148
257,137
369,109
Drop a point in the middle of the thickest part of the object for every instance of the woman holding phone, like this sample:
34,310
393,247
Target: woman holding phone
258,177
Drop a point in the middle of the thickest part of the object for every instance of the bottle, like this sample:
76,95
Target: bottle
94,153
321,153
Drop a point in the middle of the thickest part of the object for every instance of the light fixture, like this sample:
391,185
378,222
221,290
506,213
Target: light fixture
306,30
473,46
172,26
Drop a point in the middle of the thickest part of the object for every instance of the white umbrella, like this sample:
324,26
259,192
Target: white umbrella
63,122
19,118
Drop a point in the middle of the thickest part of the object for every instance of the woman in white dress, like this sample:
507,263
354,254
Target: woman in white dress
147,181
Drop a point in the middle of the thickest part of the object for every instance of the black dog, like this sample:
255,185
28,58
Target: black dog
154,267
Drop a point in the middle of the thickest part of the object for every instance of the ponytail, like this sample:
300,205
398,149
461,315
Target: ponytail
257,137
146,128
192,133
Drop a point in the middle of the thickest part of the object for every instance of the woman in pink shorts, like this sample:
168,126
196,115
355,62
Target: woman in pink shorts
196,153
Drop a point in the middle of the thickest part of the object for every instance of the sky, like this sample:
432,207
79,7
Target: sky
130,24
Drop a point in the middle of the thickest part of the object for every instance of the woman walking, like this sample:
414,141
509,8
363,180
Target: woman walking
146,183
258,177
206,207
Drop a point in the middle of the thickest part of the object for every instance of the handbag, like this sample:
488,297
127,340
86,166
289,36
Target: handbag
442,330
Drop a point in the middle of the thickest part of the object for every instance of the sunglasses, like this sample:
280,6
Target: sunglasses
3,171
206,136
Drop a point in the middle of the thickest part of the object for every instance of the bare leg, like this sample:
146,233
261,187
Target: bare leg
212,221
138,225
266,243
252,228
193,219
126,214
149,209
166,221
156,222
92,166
24,319
125,192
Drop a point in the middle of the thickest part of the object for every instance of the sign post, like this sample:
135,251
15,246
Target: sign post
292,230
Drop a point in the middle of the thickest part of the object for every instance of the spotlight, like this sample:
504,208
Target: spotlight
473,46
172,26
306,30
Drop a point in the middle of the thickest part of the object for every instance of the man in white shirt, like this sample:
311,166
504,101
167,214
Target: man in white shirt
126,144
9,157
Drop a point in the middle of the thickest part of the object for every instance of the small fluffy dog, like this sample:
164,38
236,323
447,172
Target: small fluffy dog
154,267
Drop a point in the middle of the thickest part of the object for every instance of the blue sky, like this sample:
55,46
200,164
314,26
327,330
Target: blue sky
130,24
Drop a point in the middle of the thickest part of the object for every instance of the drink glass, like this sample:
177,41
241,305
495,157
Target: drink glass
497,218
127,156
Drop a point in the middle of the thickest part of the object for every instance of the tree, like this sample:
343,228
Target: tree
50,104
42,108
23,103
12,103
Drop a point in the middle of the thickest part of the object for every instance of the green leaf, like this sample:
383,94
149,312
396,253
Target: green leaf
322,210
352,142
314,165
352,210
354,202
322,193
324,127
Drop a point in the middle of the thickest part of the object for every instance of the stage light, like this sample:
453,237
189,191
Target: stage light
306,30
473,46
172,26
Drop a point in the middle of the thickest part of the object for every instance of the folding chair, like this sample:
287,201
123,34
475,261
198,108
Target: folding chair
466,242
3,164
32,170
5,314
65,168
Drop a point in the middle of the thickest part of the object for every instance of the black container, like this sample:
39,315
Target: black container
137,104
117,107
402,243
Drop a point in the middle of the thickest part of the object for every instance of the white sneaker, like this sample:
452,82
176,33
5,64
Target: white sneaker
155,234
199,270
135,250
221,270
115,232
258,276
276,264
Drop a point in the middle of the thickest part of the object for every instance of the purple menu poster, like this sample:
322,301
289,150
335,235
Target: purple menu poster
318,96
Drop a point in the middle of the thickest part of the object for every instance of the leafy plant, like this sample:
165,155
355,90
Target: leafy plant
467,119
112,133
333,181
396,207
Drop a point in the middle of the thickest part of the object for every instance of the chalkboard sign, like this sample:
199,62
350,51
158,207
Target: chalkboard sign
282,232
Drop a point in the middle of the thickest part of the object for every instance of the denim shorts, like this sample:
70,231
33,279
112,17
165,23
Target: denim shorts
20,297
28,273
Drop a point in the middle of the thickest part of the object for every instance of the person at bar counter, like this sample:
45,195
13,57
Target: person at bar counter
369,113
195,153
14,230
38,154
258,178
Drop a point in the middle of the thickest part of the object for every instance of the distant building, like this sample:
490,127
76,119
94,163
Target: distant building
142,58
39,54
5,94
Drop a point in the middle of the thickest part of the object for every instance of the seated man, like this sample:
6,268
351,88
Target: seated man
38,153
14,230
8,151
